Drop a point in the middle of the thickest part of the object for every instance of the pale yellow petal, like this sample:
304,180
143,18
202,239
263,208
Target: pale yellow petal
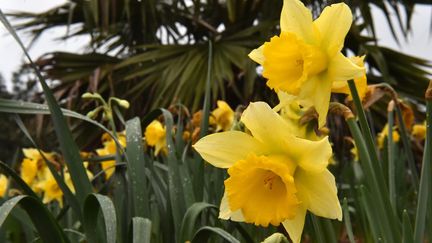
333,25
317,91
314,156
257,55
224,149
297,19
295,226
319,193
31,153
277,134
265,124
342,68
226,213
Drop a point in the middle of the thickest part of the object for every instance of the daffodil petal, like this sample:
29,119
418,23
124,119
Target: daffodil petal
295,226
319,193
334,24
265,124
317,91
277,134
342,68
224,149
31,153
297,19
226,213
313,156
257,55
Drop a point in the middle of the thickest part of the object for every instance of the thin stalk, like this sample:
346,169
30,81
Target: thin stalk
391,160
422,203
408,150
389,228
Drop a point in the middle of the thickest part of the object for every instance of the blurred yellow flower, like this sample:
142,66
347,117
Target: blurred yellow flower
360,82
51,190
274,176
419,131
110,149
3,185
155,136
305,59
384,133
33,165
224,116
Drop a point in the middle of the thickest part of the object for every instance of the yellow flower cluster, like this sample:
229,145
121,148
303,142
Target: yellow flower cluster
37,175
277,169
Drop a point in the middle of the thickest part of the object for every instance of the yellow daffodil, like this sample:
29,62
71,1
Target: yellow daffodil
33,165
274,176
155,136
305,59
419,131
51,190
224,116
110,149
384,133
3,185
360,82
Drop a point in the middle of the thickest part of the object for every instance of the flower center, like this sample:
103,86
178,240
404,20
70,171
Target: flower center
263,188
288,62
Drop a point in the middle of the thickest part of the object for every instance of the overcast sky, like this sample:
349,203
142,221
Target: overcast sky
419,42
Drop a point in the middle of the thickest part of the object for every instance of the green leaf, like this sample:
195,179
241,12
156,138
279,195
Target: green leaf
425,179
190,219
407,233
43,220
347,221
23,107
141,230
136,168
93,204
204,234
175,185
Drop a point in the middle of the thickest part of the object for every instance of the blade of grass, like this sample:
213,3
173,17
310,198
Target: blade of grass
391,160
190,218
175,187
407,232
381,201
93,204
199,165
141,230
48,229
204,234
69,148
347,221
23,107
425,180
136,169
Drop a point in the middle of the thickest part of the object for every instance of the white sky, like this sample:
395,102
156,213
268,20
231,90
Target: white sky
419,42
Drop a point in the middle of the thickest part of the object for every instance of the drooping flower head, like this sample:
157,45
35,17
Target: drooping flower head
305,60
110,149
33,166
384,133
155,136
274,176
224,116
